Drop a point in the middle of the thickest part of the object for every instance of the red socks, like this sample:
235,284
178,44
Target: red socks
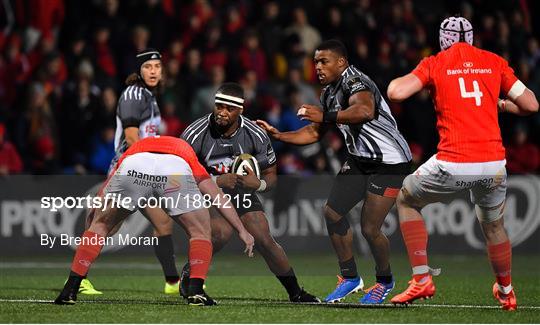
200,256
415,236
87,252
500,256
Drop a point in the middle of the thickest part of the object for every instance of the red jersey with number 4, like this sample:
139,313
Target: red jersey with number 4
465,83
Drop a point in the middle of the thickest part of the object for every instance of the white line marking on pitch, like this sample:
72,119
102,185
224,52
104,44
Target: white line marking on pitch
315,304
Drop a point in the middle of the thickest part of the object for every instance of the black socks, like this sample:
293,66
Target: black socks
289,282
164,251
348,269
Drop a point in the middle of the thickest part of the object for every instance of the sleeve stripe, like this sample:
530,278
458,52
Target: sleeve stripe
195,129
193,125
133,93
257,128
197,135
254,132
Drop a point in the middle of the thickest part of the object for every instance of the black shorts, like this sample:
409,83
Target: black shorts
244,201
358,176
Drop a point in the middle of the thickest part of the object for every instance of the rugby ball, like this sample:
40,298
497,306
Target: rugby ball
244,161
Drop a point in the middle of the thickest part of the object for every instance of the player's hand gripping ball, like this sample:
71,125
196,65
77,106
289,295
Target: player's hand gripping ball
244,161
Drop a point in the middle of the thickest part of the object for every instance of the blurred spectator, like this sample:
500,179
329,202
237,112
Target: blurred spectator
107,112
306,92
38,133
234,27
77,51
252,57
203,102
175,52
192,76
108,16
213,48
102,150
105,60
46,17
310,38
174,91
10,161
271,33
522,155
62,47
288,120
251,91
333,27
139,41
14,70
173,126
80,114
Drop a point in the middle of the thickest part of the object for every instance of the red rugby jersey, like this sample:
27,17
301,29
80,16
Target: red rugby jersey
169,145
465,83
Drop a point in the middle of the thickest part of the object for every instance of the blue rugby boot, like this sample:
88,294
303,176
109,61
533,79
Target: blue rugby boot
344,288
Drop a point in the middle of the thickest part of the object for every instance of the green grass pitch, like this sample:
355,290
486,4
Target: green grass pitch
247,293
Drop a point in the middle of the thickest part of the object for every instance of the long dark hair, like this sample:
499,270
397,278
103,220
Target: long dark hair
133,79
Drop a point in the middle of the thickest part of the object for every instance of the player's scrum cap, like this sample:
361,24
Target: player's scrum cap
146,55
454,30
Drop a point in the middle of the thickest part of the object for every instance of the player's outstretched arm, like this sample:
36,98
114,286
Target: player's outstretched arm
361,109
404,87
307,135
523,105
208,186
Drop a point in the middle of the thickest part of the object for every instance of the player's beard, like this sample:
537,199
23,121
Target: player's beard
223,124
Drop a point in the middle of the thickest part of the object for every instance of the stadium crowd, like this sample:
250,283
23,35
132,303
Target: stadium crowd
63,64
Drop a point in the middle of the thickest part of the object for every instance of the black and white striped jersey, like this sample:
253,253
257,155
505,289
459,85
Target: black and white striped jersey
378,139
217,153
137,107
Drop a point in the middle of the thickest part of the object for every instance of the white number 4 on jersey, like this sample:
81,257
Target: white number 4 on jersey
476,93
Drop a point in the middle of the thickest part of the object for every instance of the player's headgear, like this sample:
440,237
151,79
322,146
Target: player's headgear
231,94
146,55
453,30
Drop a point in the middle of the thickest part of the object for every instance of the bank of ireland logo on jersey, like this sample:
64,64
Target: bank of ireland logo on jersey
468,64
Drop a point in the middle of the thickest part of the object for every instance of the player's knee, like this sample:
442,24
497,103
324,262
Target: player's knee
405,199
266,242
101,228
489,215
370,232
339,227
330,215
267,247
221,236
163,229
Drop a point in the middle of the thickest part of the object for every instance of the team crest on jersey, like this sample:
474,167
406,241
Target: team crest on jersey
345,167
356,84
